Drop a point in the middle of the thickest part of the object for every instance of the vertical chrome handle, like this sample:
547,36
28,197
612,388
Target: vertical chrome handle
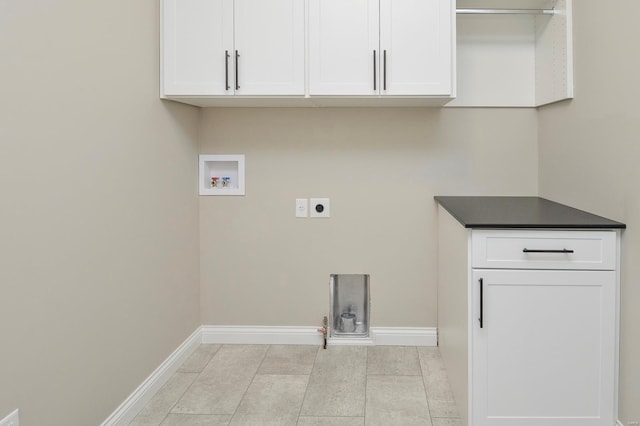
384,68
226,70
481,304
375,76
237,82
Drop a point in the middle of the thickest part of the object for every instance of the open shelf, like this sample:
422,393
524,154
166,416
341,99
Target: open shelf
226,170
514,60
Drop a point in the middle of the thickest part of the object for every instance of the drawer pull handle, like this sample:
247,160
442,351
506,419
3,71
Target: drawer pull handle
526,250
384,80
237,80
481,319
226,70
375,76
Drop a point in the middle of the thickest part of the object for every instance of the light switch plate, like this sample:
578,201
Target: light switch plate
12,419
319,208
302,207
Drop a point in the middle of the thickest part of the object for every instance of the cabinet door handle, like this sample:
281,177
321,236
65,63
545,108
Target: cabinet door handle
237,82
375,76
526,250
226,70
384,68
481,304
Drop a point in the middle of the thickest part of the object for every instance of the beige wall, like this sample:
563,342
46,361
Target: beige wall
589,154
98,229
381,168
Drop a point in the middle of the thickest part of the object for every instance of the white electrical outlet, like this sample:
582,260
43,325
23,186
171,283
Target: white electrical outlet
319,208
12,419
302,207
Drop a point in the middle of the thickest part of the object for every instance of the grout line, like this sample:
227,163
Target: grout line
366,380
306,389
188,387
195,380
424,386
394,375
263,358
252,379
338,417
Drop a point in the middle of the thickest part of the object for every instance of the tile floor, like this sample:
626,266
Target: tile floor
266,385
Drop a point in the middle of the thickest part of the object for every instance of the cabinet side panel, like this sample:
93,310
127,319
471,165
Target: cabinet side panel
453,278
554,55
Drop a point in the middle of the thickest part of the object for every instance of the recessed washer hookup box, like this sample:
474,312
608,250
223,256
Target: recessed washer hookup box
350,302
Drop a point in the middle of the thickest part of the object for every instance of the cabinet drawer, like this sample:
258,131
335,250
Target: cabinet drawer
544,249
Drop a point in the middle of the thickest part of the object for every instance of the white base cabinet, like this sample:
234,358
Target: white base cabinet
528,324
543,355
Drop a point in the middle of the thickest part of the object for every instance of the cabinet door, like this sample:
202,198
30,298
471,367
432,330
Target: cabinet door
416,37
195,36
544,355
343,36
269,39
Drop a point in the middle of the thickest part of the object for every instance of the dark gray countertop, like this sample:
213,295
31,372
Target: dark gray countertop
521,212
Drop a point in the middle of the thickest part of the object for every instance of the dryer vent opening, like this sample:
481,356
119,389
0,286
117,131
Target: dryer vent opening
350,301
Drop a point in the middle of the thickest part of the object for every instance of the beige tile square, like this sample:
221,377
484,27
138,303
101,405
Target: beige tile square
223,382
265,419
164,400
214,395
340,363
339,397
396,400
443,408
236,358
195,420
337,383
393,360
430,360
199,359
330,421
288,359
274,395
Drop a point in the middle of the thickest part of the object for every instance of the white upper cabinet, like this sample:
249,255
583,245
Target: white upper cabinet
343,40
269,39
381,47
495,53
416,46
233,47
196,34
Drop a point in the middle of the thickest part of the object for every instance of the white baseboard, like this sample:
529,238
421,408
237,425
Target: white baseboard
619,423
385,336
345,341
12,419
140,397
258,335
405,336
